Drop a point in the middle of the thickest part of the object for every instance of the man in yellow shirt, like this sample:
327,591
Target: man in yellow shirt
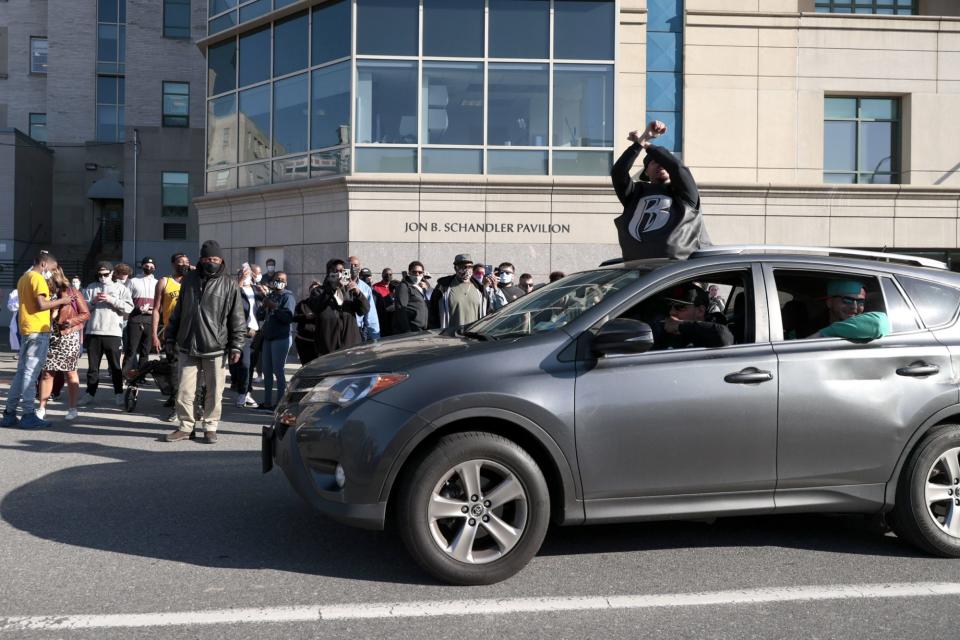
35,306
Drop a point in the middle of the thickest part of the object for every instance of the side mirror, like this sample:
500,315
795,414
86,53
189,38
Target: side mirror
623,335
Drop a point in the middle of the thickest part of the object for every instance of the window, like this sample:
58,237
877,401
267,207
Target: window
861,139
573,18
387,27
665,70
519,28
38,55
883,7
254,56
330,106
453,29
452,103
174,232
175,196
331,31
936,303
222,67
387,102
176,104
222,133
176,18
901,315
807,306
255,123
290,44
290,115
518,109
111,36
110,113
38,127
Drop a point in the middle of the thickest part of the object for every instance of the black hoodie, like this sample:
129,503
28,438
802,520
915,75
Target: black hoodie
658,220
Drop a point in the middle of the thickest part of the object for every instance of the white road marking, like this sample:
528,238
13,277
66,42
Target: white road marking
489,606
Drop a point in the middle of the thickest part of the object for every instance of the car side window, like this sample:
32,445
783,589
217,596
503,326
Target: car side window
936,303
812,302
902,317
685,315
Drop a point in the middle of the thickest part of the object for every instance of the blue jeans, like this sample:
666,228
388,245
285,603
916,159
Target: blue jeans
272,359
33,353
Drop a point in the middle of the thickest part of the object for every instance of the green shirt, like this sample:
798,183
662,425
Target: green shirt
866,326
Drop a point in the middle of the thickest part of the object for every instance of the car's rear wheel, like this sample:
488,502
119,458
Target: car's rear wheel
474,509
927,512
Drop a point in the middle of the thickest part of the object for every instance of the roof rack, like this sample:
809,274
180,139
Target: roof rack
828,251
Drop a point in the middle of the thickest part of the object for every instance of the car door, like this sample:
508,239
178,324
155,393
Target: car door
847,409
680,431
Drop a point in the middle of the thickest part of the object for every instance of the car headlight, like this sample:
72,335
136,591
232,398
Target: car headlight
345,390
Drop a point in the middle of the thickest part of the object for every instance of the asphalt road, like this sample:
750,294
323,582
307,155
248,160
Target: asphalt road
99,518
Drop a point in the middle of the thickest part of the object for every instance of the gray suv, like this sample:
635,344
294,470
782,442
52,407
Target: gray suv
563,406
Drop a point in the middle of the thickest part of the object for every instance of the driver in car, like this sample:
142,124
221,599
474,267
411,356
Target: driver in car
685,325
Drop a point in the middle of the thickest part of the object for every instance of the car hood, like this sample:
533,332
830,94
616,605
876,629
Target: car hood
392,354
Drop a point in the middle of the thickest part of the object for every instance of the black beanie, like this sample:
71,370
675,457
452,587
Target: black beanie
211,249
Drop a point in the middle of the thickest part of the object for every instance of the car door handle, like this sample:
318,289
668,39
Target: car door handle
918,370
750,375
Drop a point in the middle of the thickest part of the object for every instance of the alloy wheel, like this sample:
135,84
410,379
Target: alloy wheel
942,492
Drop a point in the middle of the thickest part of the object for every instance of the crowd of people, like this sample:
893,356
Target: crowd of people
210,322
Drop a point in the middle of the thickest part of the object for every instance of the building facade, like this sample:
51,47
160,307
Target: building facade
418,129
101,130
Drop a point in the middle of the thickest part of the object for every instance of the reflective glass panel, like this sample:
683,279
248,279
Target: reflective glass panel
452,103
878,109
176,104
255,56
282,3
386,99
225,21
106,90
876,146
517,112
665,15
255,123
175,193
664,91
176,18
840,146
386,160
107,123
519,28
290,115
452,161
453,28
575,18
222,131
328,163
387,27
107,47
840,107
581,163
840,178
255,10
331,31
219,6
521,163
221,180
330,106
222,67
664,51
254,175
290,44
107,11
289,169
582,105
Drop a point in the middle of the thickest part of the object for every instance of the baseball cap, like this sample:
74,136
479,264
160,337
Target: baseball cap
687,294
462,257
104,266
146,261
843,288
366,273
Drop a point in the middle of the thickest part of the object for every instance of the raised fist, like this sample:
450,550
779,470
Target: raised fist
656,128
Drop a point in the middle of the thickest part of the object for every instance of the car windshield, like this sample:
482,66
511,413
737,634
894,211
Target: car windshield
554,305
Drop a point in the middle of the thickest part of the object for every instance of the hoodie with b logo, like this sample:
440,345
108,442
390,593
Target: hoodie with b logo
658,220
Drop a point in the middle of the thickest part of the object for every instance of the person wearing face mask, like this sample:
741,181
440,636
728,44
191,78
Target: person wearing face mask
305,336
165,296
506,274
490,286
139,325
336,308
411,312
260,291
34,326
240,372
463,270
383,296
275,316
75,282
109,303
462,301
206,330
370,323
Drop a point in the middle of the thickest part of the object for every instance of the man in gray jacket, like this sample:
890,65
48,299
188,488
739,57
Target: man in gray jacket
207,328
109,303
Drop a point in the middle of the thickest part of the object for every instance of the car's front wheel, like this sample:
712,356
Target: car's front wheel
474,509
927,511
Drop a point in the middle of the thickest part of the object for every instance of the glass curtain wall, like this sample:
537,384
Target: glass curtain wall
432,86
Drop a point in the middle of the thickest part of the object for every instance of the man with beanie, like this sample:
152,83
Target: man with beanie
661,213
207,329
109,303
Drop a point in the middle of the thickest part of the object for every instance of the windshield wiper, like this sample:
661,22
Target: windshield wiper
475,335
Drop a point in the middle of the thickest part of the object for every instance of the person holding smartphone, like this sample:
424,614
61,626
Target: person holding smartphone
337,309
369,324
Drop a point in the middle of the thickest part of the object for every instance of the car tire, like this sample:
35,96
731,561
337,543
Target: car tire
468,536
927,509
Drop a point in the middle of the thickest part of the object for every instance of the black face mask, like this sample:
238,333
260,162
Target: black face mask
331,282
181,269
208,269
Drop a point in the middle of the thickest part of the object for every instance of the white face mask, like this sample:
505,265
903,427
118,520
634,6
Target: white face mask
246,281
46,274
75,284
506,278
258,277
279,286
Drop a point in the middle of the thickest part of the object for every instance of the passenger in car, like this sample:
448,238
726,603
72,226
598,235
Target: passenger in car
686,326
846,300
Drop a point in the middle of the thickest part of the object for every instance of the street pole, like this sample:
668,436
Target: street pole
136,154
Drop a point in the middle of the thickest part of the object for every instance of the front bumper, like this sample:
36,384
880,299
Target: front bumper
363,439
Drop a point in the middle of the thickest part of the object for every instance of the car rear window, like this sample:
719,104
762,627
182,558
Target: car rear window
901,316
936,303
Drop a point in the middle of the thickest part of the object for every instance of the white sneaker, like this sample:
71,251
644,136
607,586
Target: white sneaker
249,402
41,411
84,400
118,399
71,415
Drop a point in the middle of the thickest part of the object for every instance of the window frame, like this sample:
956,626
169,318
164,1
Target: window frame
189,6
163,100
828,6
30,125
896,156
163,193
34,40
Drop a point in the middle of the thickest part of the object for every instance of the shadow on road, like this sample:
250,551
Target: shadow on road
214,508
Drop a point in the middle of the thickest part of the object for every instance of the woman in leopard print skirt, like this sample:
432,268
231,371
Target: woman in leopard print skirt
65,338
